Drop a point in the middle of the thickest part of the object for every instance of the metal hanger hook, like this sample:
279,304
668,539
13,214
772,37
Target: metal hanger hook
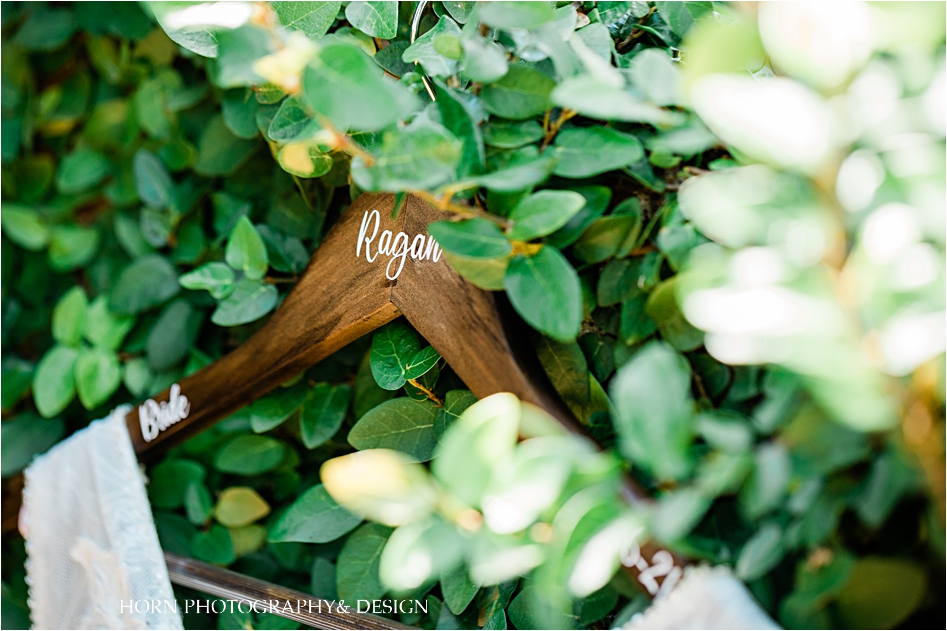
415,25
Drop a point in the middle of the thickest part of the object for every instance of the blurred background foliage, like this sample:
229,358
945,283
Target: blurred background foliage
724,222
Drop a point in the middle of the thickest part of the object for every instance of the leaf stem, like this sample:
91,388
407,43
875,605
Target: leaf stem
428,393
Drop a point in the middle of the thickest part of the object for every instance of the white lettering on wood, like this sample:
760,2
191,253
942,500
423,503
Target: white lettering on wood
395,246
156,417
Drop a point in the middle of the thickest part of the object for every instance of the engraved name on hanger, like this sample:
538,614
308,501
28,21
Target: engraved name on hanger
157,417
394,245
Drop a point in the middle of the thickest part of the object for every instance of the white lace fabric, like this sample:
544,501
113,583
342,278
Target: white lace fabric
90,536
706,598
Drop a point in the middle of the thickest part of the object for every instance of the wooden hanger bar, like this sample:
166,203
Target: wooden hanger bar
269,598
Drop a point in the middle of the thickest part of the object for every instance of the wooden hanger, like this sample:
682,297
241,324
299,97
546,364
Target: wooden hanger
341,297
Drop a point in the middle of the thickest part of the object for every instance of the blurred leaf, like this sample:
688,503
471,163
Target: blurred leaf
423,156
473,238
217,278
219,152
26,436
761,553
881,593
246,251
240,506
25,227
510,15
655,411
145,283
54,385
214,546
80,171
154,183
523,92
69,317
98,375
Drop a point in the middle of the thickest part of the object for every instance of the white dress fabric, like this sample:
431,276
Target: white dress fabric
706,598
94,557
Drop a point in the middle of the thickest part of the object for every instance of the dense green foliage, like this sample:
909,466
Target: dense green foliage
757,345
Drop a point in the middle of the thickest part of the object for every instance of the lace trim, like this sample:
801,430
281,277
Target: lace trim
86,515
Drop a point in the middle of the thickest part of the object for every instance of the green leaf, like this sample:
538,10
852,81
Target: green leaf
422,362
761,553
25,227
420,157
401,424
458,589
239,506
511,135
54,384
593,97
656,76
459,121
26,436
137,376
239,108
526,169
305,159
314,518
523,92
681,16
154,183
455,402
427,49
357,567
292,121
98,375
393,348
460,11
512,15
81,170
171,336
483,60
246,251
250,455
45,29
347,87
198,503
214,546
273,409
655,411
545,291
662,307
145,283
72,246
323,411
484,273
237,51
767,484
170,480
69,317
312,18
543,213
568,371
217,278
677,513
378,19
219,152
473,238
249,301
584,152
881,593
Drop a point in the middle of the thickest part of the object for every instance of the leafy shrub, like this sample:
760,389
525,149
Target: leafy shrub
166,178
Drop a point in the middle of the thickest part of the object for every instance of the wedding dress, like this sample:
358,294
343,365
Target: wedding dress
94,558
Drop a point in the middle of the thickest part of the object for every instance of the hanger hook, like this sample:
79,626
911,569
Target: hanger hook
415,25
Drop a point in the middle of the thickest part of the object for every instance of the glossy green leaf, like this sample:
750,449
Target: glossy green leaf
145,283
322,413
357,568
544,212
249,455
250,300
422,362
544,290
217,278
584,152
314,518
472,238
378,19
393,348
246,251
400,424
312,18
